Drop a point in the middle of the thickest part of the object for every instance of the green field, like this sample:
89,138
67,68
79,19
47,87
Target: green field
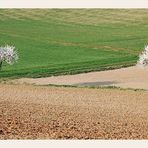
65,41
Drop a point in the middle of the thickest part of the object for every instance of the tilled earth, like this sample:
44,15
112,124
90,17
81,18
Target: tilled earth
41,112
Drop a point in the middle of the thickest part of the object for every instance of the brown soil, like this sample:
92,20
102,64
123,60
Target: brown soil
39,112
131,77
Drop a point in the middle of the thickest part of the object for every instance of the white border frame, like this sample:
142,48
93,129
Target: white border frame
74,143
73,3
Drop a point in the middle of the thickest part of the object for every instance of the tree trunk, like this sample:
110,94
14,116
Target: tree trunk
1,65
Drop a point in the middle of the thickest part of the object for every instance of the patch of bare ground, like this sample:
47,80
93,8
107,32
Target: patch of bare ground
131,77
39,112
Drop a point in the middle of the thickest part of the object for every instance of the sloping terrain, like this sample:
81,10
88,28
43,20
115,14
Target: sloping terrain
33,112
62,41
132,77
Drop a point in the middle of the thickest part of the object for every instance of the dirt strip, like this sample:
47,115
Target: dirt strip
39,112
131,77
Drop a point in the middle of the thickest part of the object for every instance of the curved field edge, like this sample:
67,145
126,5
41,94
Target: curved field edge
62,70
67,41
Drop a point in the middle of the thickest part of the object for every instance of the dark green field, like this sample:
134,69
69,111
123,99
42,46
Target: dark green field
64,41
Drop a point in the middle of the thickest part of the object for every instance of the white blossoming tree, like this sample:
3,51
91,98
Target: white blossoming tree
8,54
143,57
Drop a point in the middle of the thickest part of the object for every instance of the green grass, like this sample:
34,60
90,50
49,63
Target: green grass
67,41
